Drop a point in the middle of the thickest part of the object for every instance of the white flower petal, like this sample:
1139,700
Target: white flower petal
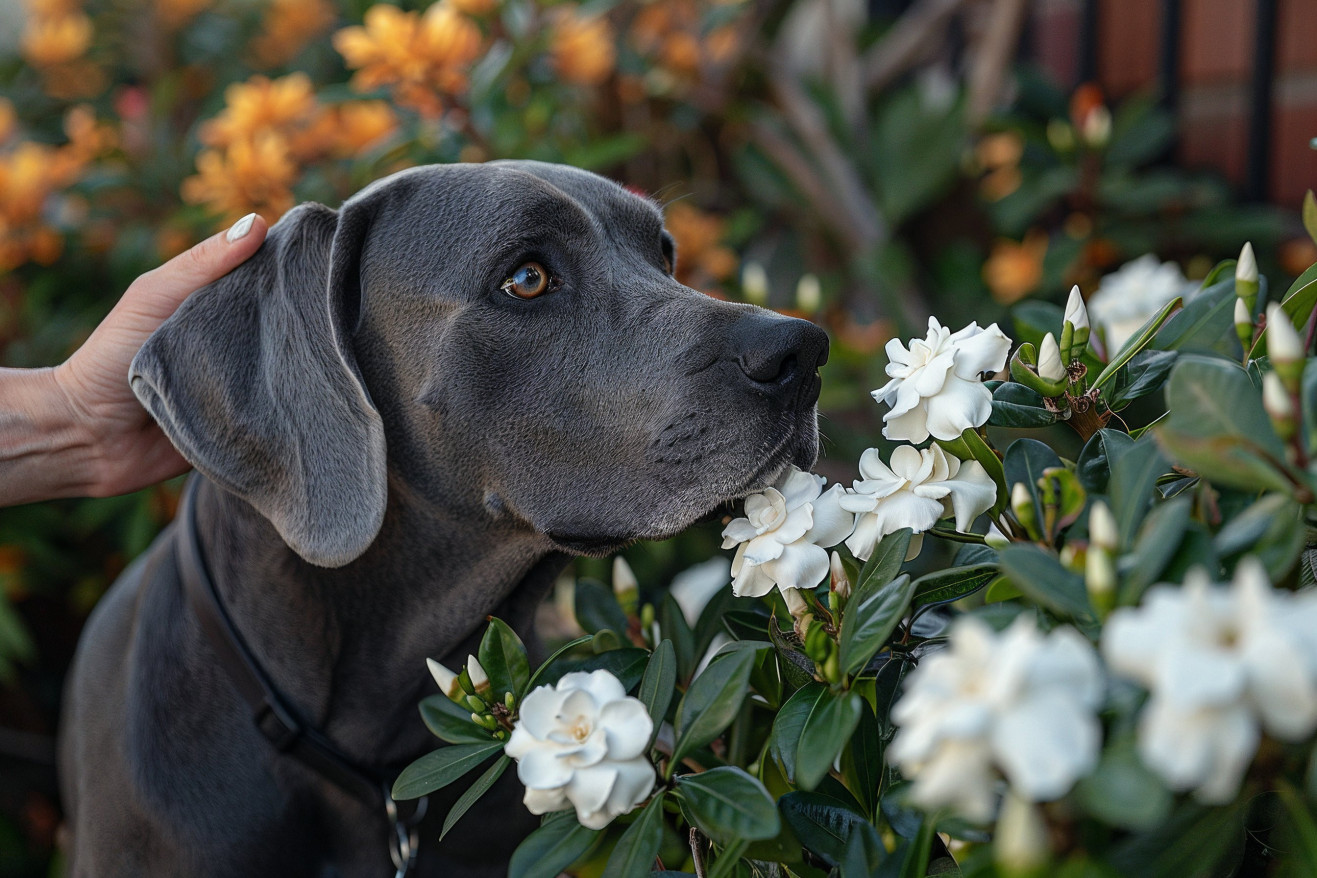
832,523
961,405
979,351
541,768
589,789
628,726
1045,744
801,565
544,801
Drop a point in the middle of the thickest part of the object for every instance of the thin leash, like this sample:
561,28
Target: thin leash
276,720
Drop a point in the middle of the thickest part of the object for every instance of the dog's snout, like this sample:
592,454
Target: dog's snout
779,353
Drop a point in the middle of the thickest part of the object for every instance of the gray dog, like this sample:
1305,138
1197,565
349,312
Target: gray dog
407,413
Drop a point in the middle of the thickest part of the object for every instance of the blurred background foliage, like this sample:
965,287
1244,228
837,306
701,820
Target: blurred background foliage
861,164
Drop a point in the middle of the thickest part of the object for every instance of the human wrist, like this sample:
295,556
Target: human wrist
45,448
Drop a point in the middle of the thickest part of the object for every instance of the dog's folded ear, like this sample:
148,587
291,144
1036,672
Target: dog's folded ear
255,382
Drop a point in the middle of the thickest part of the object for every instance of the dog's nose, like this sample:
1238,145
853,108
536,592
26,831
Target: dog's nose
779,353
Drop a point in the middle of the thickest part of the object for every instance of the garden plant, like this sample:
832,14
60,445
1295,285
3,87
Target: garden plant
1047,617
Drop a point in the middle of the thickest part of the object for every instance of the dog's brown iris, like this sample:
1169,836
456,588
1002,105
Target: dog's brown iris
528,281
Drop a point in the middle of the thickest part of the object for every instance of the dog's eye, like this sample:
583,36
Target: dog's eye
527,282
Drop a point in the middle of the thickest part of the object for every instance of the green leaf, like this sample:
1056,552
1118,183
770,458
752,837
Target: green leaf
596,608
451,723
824,735
1217,425
728,805
885,561
1302,296
552,659
1206,323
672,623
823,824
1194,840
784,739
638,847
503,656
627,664
862,760
1144,374
1271,529
552,848
1041,577
712,701
659,685
1158,540
1137,342
1132,486
952,584
439,768
1308,394
474,792
1121,792
864,853
1303,829
887,688
1099,454
871,615
1014,405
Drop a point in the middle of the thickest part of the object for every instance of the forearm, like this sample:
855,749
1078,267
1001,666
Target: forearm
44,450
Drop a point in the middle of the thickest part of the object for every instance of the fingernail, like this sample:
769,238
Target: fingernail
240,228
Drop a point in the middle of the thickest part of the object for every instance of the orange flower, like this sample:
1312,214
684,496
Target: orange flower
88,138
30,174
701,257
261,104
288,26
48,41
249,175
361,124
1015,270
581,48
173,14
421,57
673,33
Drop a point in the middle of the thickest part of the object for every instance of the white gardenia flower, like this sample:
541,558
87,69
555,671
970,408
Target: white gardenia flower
1127,298
582,743
915,491
936,385
784,536
1221,663
1020,704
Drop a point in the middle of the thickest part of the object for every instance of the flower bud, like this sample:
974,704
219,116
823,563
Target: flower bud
1060,135
485,721
1076,314
509,701
1285,347
796,604
446,679
809,294
1244,324
1021,846
754,283
1097,127
816,643
1246,276
1279,405
625,587
475,704
1023,506
479,679
839,583
1050,367
1102,529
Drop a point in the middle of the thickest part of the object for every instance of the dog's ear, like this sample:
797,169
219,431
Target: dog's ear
255,382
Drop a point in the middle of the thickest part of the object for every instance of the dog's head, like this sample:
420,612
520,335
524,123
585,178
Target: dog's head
506,340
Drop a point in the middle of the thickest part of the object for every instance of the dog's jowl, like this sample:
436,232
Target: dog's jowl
404,415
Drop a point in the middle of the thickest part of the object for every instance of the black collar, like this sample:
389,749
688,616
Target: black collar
276,719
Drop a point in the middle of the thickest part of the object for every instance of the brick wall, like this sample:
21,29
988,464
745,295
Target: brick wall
1217,39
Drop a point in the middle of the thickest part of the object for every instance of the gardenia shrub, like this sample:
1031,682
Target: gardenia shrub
1116,675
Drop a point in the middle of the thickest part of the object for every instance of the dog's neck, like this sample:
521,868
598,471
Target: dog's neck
347,646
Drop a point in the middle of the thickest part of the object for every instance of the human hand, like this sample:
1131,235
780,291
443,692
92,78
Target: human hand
77,429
